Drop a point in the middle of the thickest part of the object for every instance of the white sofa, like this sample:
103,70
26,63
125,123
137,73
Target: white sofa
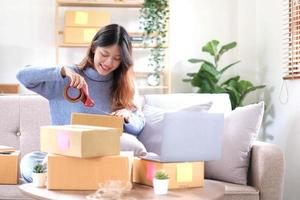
21,117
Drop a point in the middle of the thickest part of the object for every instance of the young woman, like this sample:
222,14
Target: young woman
106,72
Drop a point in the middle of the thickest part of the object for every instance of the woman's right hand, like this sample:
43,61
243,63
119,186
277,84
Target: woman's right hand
76,80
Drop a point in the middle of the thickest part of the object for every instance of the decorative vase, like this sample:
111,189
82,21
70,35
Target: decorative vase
160,186
39,179
153,79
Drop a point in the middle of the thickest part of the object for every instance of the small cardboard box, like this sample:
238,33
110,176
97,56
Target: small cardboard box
78,35
181,175
98,120
9,167
86,173
80,141
85,18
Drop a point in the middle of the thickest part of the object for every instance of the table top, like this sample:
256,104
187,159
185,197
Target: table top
210,191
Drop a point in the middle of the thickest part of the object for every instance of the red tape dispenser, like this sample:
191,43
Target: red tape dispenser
83,96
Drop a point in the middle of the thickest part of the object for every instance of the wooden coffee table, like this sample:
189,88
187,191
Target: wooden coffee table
211,190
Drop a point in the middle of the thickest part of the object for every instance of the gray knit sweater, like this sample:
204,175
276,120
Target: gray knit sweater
49,83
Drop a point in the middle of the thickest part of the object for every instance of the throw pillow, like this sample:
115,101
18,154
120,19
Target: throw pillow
131,143
151,134
241,127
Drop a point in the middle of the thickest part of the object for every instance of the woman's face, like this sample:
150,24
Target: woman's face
107,59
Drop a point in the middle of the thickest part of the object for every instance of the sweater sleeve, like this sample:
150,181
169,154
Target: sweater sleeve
136,124
47,82
137,121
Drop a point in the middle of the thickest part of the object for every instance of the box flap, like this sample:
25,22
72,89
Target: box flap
97,120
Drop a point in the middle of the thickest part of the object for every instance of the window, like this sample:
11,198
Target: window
291,38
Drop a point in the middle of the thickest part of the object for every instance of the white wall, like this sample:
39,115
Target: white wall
27,37
285,126
192,24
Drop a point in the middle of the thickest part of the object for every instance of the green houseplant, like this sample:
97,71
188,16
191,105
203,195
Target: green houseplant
153,20
160,182
39,175
209,77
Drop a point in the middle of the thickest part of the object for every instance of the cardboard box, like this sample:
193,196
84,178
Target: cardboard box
86,19
182,175
9,167
80,141
98,120
86,173
77,35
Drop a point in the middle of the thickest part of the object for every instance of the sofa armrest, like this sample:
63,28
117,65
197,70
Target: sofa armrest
266,171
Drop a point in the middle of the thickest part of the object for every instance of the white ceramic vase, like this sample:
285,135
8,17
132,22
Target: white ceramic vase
160,186
39,179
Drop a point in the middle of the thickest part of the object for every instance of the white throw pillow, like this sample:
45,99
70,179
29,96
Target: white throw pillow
129,142
241,127
151,134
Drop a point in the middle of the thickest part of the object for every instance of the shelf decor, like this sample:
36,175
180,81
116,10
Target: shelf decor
154,17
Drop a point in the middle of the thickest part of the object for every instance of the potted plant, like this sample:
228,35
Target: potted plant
160,182
153,20
209,77
39,175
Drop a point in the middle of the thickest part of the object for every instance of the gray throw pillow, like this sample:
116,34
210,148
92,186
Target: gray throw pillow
151,134
241,127
131,143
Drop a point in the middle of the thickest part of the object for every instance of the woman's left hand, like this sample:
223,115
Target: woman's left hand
126,114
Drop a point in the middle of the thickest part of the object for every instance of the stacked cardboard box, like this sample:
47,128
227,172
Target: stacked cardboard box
181,175
81,26
89,154
9,165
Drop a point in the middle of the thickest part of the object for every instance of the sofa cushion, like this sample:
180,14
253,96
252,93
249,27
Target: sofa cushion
151,135
34,113
241,128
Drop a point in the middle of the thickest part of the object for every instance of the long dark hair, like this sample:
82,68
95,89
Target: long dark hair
122,92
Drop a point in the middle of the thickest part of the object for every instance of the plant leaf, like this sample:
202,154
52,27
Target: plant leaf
210,72
195,60
234,96
227,47
191,74
228,66
251,89
211,47
235,78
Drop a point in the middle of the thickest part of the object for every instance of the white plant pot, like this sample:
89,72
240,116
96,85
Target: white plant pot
160,186
39,179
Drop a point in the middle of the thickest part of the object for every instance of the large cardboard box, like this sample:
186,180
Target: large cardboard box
81,26
86,173
182,175
9,167
86,18
80,141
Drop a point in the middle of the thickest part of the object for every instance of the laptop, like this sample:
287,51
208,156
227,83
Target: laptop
190,136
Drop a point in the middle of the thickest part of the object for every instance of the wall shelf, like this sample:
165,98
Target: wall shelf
63,5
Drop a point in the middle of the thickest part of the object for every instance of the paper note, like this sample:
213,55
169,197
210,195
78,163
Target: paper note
184,172
150,171
88,34
63,141
81,17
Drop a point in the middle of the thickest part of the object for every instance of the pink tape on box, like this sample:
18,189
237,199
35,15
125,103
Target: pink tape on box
63,141
150,171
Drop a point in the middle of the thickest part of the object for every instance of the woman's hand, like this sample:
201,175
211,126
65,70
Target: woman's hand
76,80
126,114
